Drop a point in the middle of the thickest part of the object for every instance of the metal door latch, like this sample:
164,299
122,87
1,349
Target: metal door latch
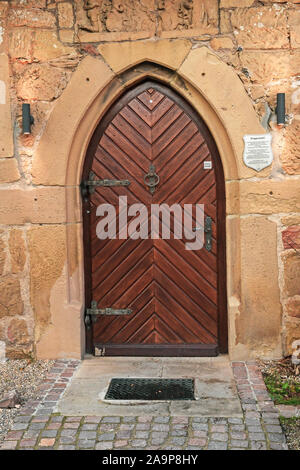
208,233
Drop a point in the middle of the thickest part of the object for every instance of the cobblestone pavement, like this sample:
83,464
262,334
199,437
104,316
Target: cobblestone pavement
38,427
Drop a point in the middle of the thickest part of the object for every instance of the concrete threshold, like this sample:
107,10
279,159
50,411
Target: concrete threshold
215,389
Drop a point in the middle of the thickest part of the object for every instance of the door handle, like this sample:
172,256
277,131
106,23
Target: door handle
208,233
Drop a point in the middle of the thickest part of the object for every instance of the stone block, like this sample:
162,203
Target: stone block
291,237
225,23
32,18
3,22
221,43
17,250
259,324
293,308
291,220
236,3
179,20
20,43
34,205
166,52
2,253
11,303
291,262
90,77
257,91
260,28
290,155
85,36
294,23
3,339
9,171
29,3
65,15
267,66
2,350
41,82
47,257
6,128
46,46
269,196
66,35
233,261
20,351
292,334
206,71
4,7
131,17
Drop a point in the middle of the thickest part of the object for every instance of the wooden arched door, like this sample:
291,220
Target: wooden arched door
152,296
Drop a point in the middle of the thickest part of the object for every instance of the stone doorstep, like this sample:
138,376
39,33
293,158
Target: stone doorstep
214,388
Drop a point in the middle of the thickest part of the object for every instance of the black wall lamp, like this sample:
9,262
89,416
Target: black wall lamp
280,109
27,119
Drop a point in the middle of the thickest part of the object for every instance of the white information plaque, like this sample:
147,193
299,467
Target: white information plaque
258,151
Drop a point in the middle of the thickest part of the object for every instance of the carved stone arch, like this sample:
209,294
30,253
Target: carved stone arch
196,74
210,85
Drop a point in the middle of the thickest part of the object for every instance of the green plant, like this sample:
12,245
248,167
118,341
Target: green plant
284,392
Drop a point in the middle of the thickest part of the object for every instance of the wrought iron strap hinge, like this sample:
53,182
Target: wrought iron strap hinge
88,186
93,312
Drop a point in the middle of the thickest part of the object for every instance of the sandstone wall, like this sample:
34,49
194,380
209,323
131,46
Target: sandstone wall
42,44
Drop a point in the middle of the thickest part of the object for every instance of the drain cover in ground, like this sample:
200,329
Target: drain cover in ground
150,389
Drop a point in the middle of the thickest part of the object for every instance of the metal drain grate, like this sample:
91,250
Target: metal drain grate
150,389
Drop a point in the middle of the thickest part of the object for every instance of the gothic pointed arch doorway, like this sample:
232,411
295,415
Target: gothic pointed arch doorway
151,296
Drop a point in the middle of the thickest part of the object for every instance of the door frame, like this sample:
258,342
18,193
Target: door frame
187,350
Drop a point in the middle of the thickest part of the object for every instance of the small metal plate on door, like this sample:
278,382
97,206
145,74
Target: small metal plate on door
207,165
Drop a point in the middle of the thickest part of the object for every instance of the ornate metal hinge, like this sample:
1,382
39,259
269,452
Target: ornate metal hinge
92,313
88,186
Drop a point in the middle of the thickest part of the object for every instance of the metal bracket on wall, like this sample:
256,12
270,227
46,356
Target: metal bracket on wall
267,117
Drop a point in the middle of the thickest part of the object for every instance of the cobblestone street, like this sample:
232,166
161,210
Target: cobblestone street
39,427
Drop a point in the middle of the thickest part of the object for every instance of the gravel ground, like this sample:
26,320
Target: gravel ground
23,376
282,379
282,367
291,428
